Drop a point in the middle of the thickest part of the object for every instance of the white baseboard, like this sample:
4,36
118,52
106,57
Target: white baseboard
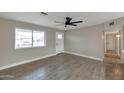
39,58
24,62
77,54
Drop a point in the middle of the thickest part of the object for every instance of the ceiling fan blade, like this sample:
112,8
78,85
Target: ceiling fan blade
58,22
77,22
72,24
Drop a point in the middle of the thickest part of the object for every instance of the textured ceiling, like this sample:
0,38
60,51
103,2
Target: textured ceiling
89,18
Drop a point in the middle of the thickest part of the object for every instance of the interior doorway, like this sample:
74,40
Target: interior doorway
59,42
112,46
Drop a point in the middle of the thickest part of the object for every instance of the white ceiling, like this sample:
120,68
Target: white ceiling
89,18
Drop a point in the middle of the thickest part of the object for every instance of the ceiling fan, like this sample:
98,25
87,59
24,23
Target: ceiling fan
68,22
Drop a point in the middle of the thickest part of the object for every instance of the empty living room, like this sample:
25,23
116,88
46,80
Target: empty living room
62,45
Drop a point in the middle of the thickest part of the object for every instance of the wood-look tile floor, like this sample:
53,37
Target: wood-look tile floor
65,67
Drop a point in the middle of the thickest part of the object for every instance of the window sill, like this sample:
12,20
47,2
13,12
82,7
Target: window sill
30,48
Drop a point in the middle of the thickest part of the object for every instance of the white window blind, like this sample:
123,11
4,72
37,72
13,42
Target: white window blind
38,39
28,38
23,38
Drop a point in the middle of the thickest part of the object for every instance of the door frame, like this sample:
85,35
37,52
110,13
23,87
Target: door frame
120,29
57,52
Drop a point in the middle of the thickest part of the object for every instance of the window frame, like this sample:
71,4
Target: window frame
32,39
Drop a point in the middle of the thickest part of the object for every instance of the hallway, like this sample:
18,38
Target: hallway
111,56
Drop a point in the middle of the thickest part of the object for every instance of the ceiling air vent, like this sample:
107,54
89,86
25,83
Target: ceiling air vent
112,23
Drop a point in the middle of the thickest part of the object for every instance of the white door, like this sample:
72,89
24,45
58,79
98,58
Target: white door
111,42
59,42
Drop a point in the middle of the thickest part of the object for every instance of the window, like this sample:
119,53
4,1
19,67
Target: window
23,38
38,39
59,36
27,38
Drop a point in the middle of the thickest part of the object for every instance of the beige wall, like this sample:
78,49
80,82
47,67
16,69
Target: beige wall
8,55
85,41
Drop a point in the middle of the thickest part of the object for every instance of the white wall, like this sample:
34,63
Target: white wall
85,41
8,55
